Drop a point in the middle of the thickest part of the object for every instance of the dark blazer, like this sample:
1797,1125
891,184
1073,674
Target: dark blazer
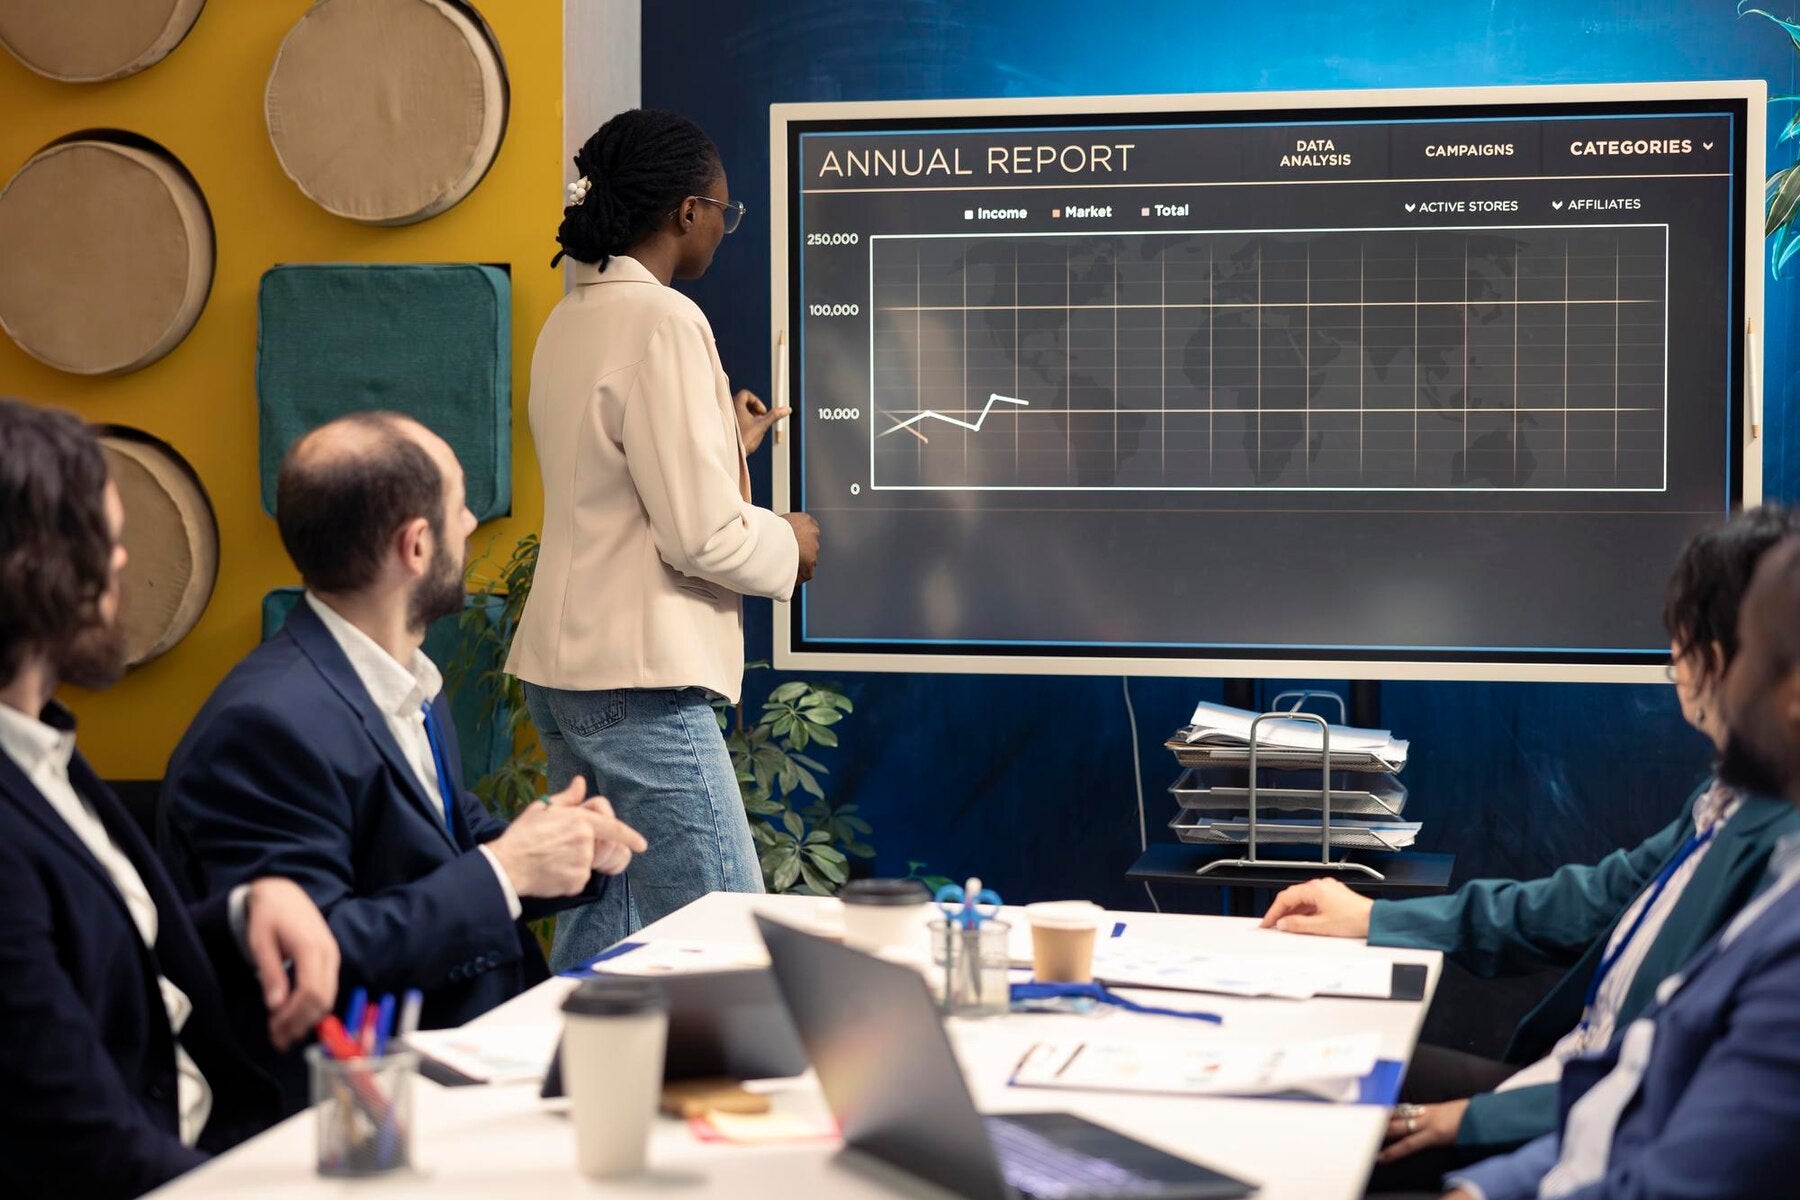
289,769
1496,927
1716,1114
87,1060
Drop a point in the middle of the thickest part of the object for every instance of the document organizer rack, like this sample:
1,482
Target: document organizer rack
1257,756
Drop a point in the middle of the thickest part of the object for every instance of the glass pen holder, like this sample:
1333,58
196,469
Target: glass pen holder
364,1113
971,968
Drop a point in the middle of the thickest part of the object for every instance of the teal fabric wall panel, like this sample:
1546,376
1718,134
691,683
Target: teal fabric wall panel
483,747
431,340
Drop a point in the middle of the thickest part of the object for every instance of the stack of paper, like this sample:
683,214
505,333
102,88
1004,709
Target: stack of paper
1140,962
490,1053
1330,1068
1222,725
674,956
1348,832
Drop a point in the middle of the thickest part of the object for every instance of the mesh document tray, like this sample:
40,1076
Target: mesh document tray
1353,794
1195,829
1216,754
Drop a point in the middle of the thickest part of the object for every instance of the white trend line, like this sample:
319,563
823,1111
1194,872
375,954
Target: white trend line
995,398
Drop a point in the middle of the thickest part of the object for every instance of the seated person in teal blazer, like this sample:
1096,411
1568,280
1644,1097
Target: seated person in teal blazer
1699,1098
1619,926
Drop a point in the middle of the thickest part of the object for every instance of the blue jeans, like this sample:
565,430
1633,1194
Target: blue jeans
658,755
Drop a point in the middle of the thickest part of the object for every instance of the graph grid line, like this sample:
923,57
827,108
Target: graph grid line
1504,359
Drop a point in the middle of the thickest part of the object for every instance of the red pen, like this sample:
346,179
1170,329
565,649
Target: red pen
365,1036
337,1041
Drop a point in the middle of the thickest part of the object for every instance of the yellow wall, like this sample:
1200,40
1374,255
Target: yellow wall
204,103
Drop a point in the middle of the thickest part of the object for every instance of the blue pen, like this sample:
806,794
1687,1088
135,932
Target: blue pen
384,1024
353,1018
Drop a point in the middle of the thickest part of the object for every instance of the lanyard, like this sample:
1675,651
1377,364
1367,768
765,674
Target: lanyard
1094,991
1688,849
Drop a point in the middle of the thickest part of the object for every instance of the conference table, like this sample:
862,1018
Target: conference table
492,1141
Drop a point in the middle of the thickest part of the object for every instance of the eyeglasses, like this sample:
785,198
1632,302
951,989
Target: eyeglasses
733,210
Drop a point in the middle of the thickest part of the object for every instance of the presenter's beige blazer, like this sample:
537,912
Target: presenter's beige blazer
650,539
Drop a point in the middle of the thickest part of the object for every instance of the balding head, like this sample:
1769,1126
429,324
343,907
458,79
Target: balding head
348,487
1762,689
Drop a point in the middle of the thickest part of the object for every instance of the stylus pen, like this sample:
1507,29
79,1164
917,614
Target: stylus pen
779,399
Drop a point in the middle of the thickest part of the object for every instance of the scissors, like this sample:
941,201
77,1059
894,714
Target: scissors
968,906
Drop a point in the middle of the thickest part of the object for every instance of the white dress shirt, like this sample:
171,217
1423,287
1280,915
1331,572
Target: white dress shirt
401,692
1595,1032
43,754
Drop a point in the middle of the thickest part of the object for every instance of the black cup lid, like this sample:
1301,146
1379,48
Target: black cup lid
614,998
895,892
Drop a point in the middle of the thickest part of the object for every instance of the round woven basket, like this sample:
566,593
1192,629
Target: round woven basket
387,111
108,253
171,537
87,41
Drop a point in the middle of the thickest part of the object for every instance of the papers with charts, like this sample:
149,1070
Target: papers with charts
1220,724
1131,962
672,956
491,1053
1330,1068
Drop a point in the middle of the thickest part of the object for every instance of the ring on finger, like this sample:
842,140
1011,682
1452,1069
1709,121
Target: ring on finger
1412,1124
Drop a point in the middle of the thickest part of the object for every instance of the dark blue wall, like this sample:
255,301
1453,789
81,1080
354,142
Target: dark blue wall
1028,782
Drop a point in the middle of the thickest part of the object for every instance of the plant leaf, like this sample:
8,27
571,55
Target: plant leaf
785,874
1789,247
790,820
1793,28
825,737
828,854
1784,198
788,691
837,872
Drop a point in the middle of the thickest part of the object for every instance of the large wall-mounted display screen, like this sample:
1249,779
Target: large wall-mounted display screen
1346,384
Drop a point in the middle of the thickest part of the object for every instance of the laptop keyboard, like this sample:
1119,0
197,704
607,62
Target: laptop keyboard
1046,1170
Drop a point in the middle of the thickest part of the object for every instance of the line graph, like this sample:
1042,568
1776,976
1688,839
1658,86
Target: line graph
1529,358
973,427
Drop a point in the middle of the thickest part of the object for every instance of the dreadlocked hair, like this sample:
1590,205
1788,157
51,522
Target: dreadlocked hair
641,165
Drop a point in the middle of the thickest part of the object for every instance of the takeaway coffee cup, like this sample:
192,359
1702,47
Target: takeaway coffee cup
1062,940
614,1032
885,914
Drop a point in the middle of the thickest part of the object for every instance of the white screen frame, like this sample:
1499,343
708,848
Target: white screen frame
1753,92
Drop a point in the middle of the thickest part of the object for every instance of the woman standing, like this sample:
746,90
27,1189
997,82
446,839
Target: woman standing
650,540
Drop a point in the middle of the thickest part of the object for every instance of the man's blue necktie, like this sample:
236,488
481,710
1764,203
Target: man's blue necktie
446,791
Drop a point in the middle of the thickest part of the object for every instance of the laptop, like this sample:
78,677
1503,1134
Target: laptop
873,1034
722,1024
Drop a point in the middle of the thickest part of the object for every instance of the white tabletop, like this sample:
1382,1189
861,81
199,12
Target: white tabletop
488,1142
